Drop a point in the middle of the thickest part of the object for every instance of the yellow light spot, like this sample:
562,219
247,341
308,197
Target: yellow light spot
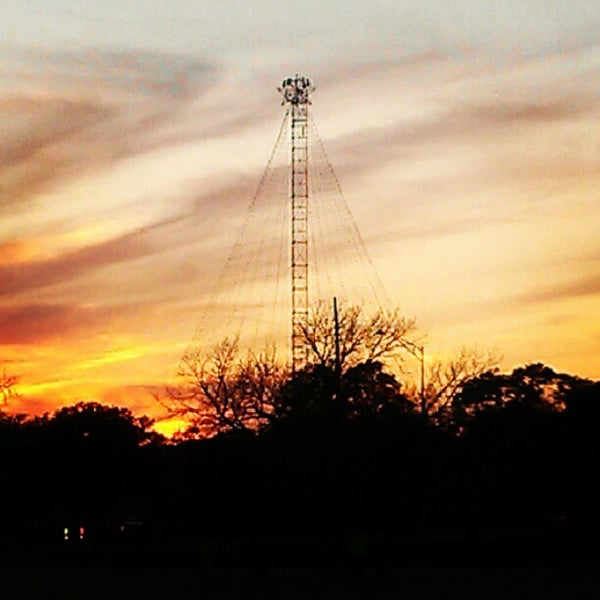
169,427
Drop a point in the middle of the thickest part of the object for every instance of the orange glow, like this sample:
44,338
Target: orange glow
16,251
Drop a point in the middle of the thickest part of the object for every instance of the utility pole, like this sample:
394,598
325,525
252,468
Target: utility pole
418,351
423,402
336,332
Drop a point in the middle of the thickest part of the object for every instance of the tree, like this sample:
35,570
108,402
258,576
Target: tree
8,385
85,461
221,392
360,338
534,385
363,390
367,388
91,426
582,402
445,380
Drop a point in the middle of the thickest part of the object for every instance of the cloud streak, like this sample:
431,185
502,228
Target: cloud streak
589,286
64,114
42,323
16,279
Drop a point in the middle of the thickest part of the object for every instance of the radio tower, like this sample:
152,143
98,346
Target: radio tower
296,94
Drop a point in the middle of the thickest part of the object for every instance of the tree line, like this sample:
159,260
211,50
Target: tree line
340,446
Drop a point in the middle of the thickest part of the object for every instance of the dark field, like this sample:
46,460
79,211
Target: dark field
502,566
385,582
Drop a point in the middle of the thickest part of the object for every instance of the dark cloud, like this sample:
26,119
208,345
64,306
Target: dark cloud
28,276
36,123
37,322
47,141
589,286
33,322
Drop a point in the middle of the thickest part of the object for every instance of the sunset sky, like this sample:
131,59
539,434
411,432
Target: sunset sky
465,135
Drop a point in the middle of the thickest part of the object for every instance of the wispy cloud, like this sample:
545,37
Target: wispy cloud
588,286
41,323
63,114
15,279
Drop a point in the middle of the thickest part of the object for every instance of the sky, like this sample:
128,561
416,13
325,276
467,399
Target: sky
465,136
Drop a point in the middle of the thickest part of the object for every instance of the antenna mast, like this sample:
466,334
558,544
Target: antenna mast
296,94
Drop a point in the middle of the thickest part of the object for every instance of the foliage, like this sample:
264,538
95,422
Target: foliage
368,388
319,396
222,392
94,425
582,402
361,338
535,387
445,380
8,385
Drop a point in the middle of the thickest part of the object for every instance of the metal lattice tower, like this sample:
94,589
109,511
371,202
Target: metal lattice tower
296,94
297,229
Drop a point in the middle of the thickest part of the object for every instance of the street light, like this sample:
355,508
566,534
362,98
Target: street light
418,351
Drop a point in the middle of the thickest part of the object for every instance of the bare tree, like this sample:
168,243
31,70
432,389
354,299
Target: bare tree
360,338
445,380
221,392
8,385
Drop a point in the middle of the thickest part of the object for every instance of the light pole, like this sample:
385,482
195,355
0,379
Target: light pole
418,351
422,359
336,331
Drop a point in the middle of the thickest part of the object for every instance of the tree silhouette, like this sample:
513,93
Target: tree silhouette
368,388
90,426
582,401
529,455
342,454
8,386
360,337
221,392
535,385
445,380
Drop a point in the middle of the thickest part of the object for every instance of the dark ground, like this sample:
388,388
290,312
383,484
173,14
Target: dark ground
290,583
496,567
